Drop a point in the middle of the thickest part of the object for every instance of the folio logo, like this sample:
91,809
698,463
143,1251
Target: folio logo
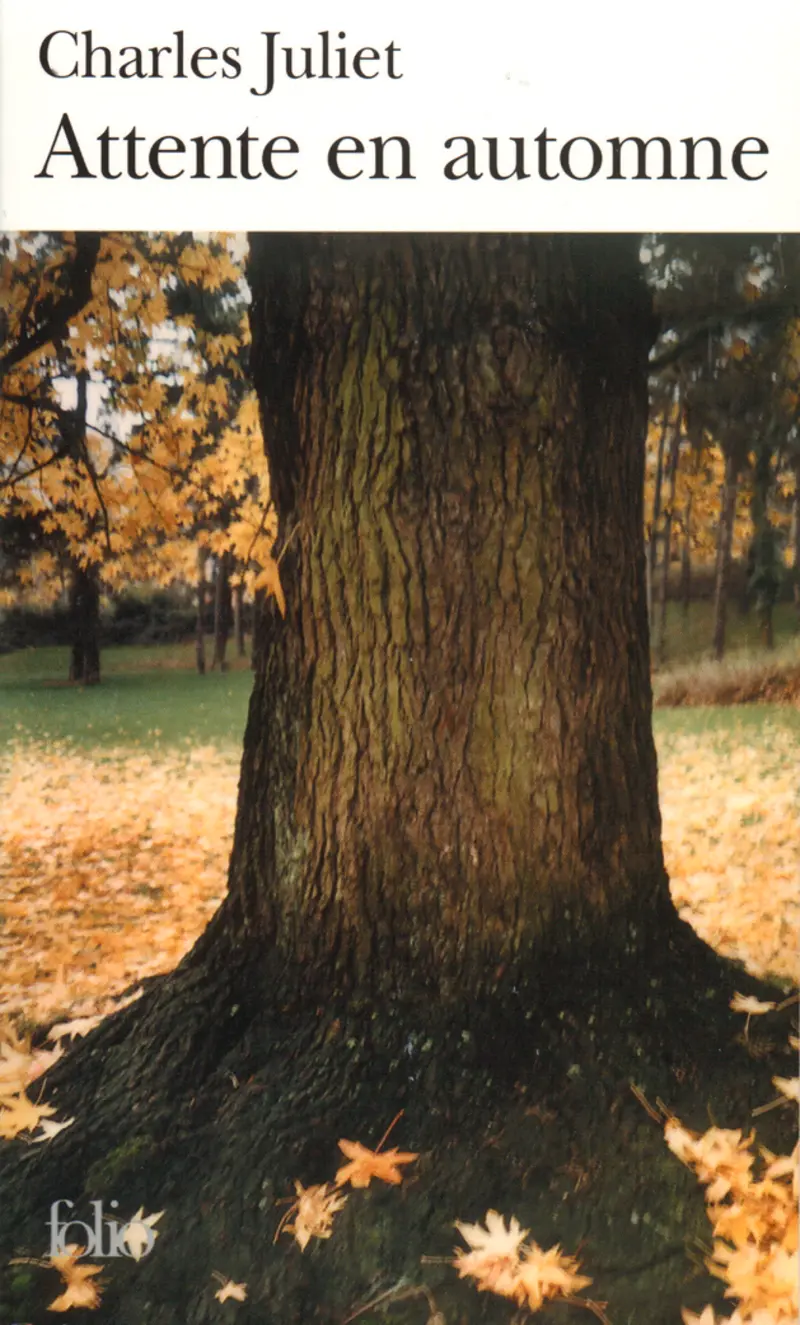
133,1239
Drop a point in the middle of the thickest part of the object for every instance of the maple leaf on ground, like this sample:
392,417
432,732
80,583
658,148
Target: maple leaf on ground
79,1292
494,1256
495,1239
313,1212
50,1128
140,1233
547,1274
368,1164
19,1114
720,1157
72,1029
236,1292
752,1006
763,1279
782,1166
502,1262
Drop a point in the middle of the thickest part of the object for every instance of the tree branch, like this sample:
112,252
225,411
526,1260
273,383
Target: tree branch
87,247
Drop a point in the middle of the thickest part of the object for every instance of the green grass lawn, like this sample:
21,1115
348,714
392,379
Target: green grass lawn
149,696
731,719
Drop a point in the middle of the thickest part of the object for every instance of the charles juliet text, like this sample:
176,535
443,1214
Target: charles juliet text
272,63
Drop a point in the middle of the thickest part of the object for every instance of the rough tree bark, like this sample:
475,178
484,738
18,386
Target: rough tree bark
455,749
727,516
84,612
447,892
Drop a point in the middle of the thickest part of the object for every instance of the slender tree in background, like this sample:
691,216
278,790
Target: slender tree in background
654,526
796,535
239,618
687,534
723,562
223,610
659,633
764,560
200,644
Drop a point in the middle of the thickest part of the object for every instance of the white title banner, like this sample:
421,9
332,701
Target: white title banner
420,116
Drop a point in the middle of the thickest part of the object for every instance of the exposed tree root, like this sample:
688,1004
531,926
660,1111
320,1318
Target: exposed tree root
210,1097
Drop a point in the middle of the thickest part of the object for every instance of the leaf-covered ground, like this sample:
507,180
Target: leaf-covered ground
109,869
112,864
730,805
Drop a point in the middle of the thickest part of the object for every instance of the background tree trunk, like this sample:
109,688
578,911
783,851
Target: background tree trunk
686,556
222,610
84,609
727,516
660,632
765,577
796,536
200,638
238,619
654,539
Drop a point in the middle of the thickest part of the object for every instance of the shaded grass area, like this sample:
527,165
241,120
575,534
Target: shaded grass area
689,634
149,697
748,674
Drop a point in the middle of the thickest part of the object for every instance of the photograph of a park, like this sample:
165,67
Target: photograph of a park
399,796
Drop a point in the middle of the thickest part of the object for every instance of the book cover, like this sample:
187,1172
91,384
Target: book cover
399,657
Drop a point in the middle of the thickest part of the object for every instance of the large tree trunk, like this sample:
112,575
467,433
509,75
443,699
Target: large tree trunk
727,516
84,611
447,892
454,752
